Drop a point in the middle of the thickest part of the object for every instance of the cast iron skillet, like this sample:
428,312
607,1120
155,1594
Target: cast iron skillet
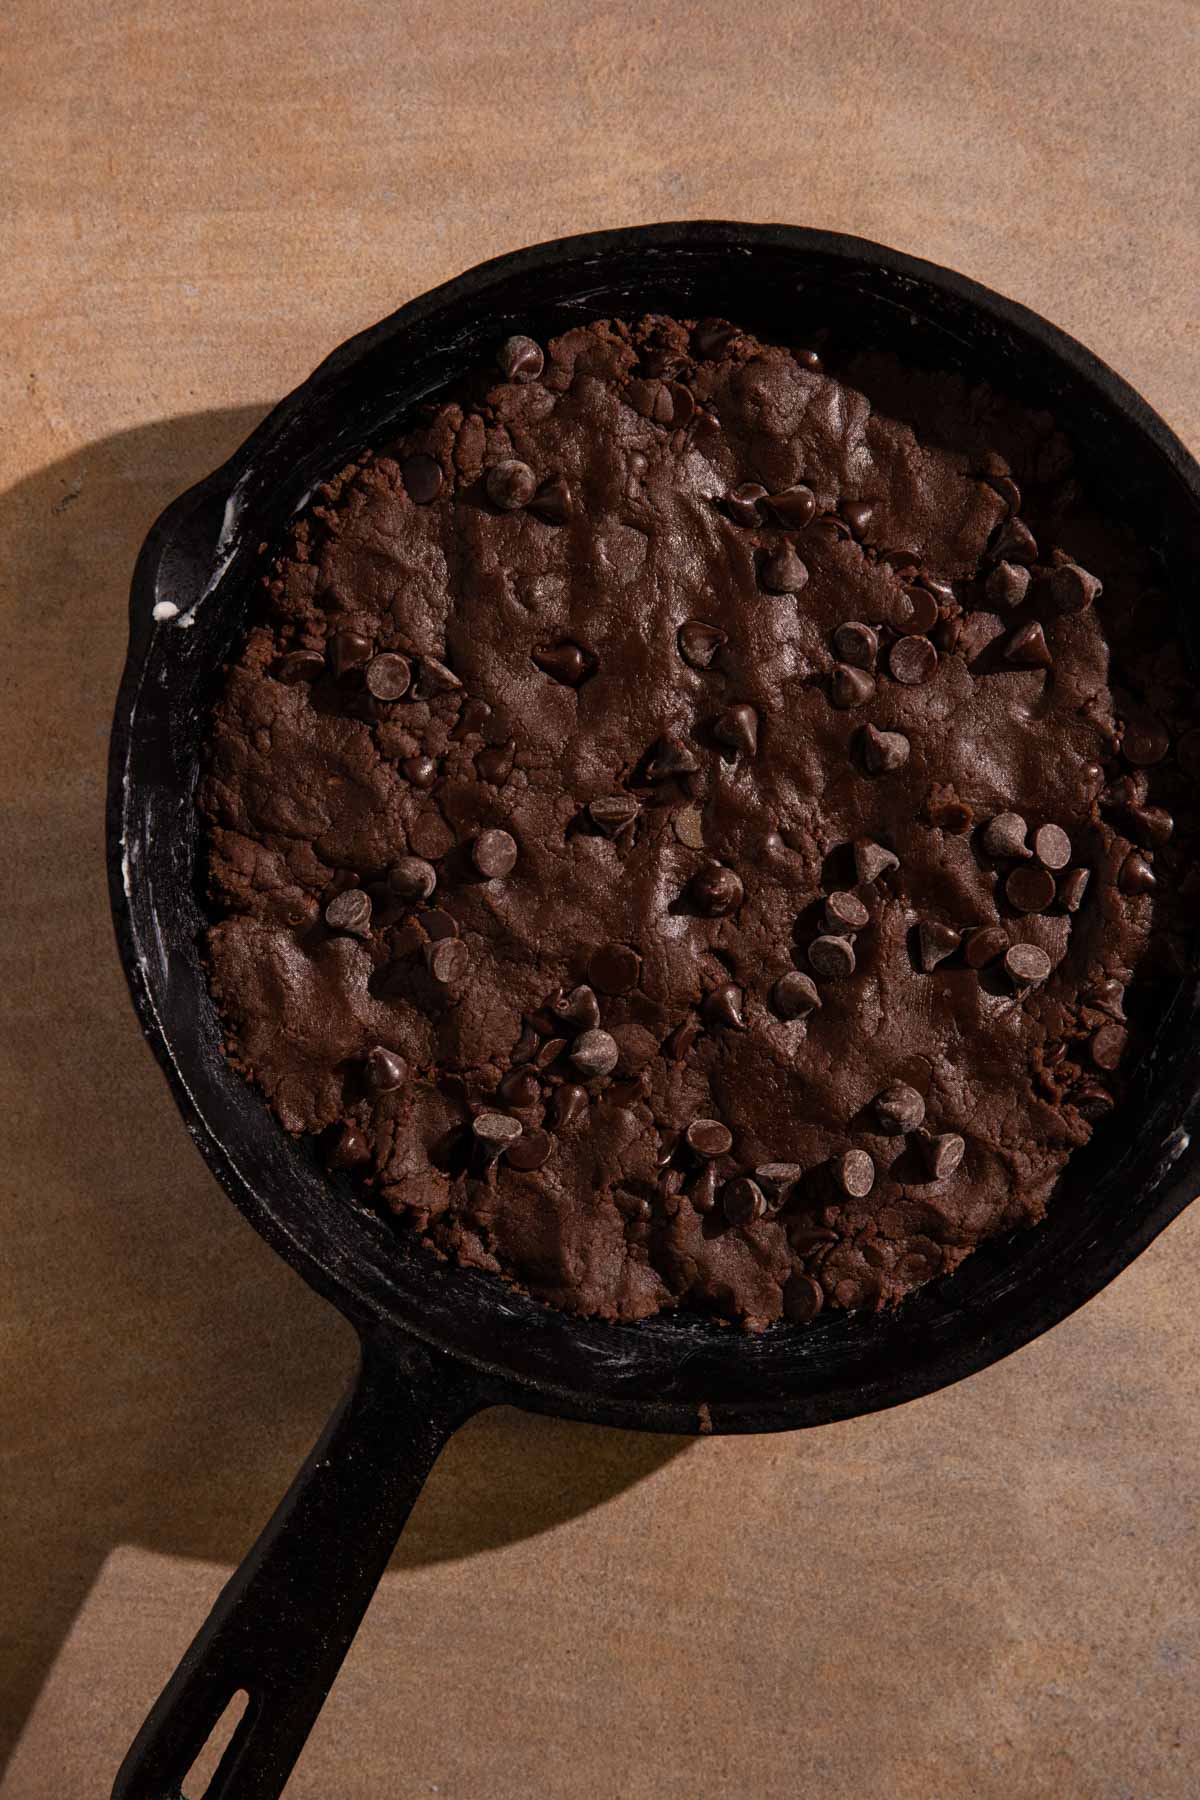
439,1343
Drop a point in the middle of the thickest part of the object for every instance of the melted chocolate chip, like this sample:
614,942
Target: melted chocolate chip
420,770
737,728
349,1149
716,890
743,504
529,1151
670,757
569,1104
348,650
520,359
1136,875
1027,647
565,662
552,502
858,515
422,478
913,661
681,1040
520,1089
579,1010
794,507
986,944
495,763
615,968
510,484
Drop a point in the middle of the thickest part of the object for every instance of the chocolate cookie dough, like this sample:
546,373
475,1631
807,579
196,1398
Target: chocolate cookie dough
703,824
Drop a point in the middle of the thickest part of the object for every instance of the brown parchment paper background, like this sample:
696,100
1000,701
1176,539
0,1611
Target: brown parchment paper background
992,1593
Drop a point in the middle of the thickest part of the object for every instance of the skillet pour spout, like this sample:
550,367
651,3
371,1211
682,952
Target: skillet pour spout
438,1342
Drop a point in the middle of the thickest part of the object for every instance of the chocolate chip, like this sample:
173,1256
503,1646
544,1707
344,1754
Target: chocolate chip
688,826
1004,836
447,960
384,1071
920,612
712,337
494,1131
699,643
349,911
437,925
1145,742
946,634
1027,647
471,719
1007,490
1150,826
495,763
1007,585
682,403
1072,589
795,995
858,514
529,1151
420,770
845,912
794,507
871,861
986,944
935,942
1187,751
565,662
1073,888
913,661
580,1009
709,1137
552,501
349,1149
348,650
510,484
743,1201
777,1181
412,878
856,644
1136,875
388,676
782,572
1030,889
1108,995
613,813
299,666
1052,846
850,687
1026,965
898,1108
803,1299
615,968
723,1007
715,890
422,478
854,1173
737,728
1016,543
569,1104
743,503
594,1053
942,1152
670,757
883,752
494,854
681,1040
1092,1101
520,1089
435,678
703,1191
831,957
1108,1046
520,359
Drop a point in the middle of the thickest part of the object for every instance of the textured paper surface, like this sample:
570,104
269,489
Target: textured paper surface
992,1593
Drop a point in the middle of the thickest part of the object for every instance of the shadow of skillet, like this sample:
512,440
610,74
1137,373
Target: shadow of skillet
162,1373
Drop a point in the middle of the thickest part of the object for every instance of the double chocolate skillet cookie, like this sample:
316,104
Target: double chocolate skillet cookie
703,824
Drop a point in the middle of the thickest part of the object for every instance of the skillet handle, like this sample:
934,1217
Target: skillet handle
286,1619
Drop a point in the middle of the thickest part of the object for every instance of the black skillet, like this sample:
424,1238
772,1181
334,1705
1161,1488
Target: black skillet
440,1343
